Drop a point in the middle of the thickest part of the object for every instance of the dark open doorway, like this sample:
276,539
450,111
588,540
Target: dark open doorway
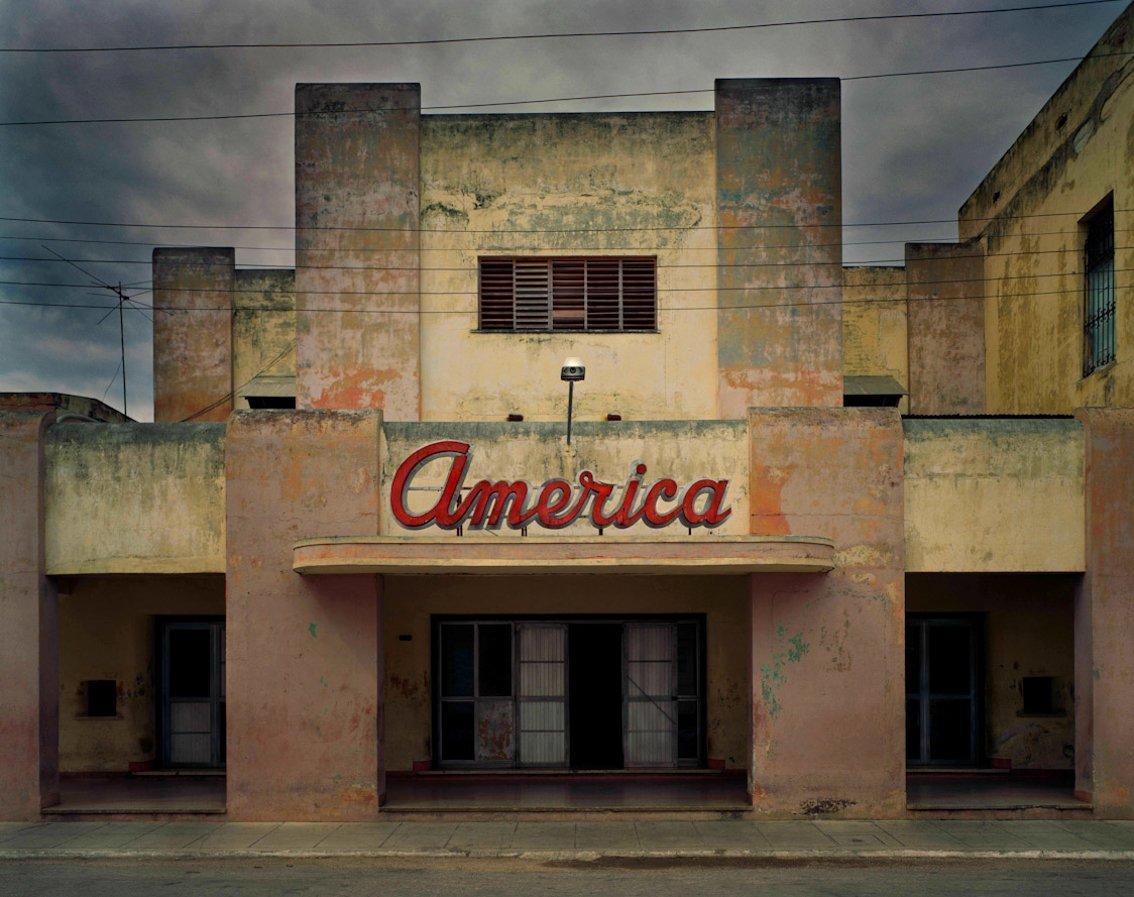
595,672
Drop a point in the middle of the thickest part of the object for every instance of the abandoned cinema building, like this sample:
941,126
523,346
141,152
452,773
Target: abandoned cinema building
856,541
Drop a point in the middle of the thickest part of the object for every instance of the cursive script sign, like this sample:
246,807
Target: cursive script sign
555,504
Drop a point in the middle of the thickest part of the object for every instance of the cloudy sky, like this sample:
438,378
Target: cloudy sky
914,147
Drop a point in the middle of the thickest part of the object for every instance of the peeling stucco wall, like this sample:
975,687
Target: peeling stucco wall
193,333
779,203
994,495
263,326
827,649
592,184
1029,212
134,498
874,323
356,214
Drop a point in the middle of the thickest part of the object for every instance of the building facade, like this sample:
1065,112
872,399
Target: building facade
817,530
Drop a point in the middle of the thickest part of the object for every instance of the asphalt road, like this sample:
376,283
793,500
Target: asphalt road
362,878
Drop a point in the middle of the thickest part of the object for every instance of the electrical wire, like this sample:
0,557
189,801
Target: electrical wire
548,35
339,113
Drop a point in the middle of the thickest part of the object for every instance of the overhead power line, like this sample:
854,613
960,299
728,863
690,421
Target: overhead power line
424,249
265,268
550,35
530,102
465,312
468,312
649,228
259,291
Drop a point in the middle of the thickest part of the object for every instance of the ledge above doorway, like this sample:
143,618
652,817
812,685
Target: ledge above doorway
542,554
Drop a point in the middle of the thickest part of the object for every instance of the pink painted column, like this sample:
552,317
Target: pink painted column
828,666
304,653
29,637
1104,619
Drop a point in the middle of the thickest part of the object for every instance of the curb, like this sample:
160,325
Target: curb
578,856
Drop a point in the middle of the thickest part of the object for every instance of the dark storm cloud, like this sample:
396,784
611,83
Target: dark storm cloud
913,147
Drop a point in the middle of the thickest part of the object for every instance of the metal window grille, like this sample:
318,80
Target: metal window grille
601,293
1099,299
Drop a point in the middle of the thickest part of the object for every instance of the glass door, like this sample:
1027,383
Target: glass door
943,706
192,693
650,693
542,696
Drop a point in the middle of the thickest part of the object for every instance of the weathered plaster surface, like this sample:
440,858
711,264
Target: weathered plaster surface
779,206
304,653
1029,210
875,323
263,327
29,650
593,184
994,495
945,297
827,649
135,498
356,209
1104,618
193,333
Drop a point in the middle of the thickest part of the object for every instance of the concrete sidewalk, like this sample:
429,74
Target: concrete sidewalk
567,840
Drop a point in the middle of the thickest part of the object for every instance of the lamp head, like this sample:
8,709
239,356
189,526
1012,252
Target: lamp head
572,371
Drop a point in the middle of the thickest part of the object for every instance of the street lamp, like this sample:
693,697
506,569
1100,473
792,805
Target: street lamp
572,372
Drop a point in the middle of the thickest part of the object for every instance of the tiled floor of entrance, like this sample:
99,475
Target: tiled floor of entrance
140,794
990,791
555,792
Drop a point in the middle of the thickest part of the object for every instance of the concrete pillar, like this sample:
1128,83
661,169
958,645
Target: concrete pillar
828,649
304,660
357,199
945,298
193,333
29,638
779,206
1104,619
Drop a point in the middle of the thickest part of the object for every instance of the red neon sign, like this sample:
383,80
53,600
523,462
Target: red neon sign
557,503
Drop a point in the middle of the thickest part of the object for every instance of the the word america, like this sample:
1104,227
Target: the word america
555,504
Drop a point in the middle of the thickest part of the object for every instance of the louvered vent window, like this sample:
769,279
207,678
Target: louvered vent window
593,294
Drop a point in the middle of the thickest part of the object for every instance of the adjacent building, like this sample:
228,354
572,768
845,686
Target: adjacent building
817,531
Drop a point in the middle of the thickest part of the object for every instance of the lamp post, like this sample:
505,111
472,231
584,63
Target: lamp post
572,372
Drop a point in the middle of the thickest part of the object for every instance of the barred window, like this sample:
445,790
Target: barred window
1099,300
576,293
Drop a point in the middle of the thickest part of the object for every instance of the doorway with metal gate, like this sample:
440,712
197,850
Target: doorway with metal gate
577,693
191,692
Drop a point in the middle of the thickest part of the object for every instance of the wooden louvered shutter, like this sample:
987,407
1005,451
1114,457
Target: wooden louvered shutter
639,294
532,294
496,299
568,294
603,276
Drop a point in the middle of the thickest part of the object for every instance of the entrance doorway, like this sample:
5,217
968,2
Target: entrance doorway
594,693
943,690
191,696
595,663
